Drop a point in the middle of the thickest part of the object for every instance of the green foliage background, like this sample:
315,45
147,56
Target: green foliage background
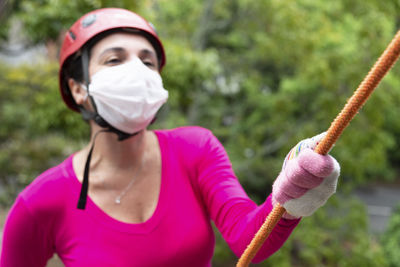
391,239
261,74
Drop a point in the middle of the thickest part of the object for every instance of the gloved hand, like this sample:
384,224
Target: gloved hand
306,181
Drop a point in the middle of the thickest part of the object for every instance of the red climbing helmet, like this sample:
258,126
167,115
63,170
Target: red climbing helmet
94,23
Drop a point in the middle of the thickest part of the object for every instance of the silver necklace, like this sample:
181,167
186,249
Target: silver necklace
123,192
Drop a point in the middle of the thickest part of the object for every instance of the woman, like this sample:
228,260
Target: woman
152,194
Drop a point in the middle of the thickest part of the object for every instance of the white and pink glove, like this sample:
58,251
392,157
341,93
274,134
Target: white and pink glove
306,181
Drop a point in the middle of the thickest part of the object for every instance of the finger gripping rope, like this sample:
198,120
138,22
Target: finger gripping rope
360,96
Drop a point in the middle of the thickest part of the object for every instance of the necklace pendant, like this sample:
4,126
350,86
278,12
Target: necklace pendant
118,200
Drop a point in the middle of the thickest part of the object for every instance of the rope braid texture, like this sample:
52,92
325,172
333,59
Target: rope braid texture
360,96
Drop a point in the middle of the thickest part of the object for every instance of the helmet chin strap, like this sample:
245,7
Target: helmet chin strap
85,182
90,115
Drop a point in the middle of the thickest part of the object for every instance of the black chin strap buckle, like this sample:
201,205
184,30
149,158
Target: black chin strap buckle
89,115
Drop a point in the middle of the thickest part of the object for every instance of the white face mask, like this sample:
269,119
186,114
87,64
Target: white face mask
128,96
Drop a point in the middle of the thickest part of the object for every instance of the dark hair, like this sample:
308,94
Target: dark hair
73,65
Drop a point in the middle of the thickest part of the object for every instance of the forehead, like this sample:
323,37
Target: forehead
132,42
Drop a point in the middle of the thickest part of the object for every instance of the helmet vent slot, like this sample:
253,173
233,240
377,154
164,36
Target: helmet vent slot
72,35
89,20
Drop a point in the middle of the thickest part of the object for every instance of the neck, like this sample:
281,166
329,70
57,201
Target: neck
110,152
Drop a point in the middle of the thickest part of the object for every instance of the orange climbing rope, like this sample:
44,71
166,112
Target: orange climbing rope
364,90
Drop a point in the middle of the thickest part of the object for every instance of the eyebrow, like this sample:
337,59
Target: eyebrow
112,49
144,52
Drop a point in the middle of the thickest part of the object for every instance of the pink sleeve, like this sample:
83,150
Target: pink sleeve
25,243
237,217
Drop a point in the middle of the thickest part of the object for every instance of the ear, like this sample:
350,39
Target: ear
78,92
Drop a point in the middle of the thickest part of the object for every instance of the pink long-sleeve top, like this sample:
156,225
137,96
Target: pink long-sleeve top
197,185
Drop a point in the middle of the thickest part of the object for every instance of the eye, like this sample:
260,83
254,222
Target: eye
149,64
113,61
